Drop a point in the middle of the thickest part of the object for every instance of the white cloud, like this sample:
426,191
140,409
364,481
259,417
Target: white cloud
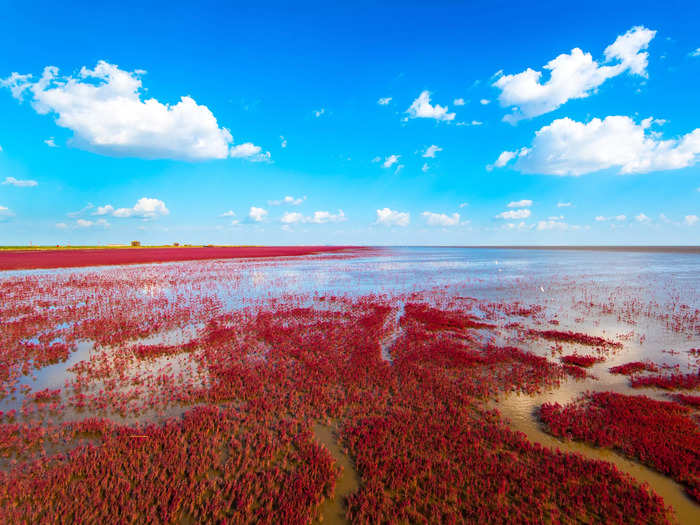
574,75
642,218
61,225
5,213
292,217
462,205
318,217
554,224
458,102
322,217
504,158
391,160
19,183
50,143
425,167
484,101
514,214
384,101
319,112
520,204
84,223
257,214
563,204
104,210
249,151
568,147
691,220
288,199
104,109
695,53
440,219
521,226
229,213
618,218
431,151
145,208
390,217
283,142
421,108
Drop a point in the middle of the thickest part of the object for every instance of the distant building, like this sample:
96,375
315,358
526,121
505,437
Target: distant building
136,243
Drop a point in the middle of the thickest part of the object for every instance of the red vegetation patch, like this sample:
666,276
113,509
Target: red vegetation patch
585,361
575,337
686,399
667,382
213,465
660,434
440,464
32,259
634,367
434,319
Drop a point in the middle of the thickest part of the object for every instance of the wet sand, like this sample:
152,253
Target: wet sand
333,510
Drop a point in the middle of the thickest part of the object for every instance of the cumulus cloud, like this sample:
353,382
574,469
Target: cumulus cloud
695,53
524,203
568,147
514,214
319,112
5,213
84,223
104,210
484,101
145,208
691,220
318,217
384,101
51,143
505,157
229,213
425,167
618,218
292,217
389,217
555,224
321,217
431,151
572,76
105,110
287,200
642,218
391,160
458,102
249,151
283,141
11,181
257,214
422,108
440,219
563,204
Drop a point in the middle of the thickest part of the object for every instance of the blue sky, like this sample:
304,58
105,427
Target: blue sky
487,123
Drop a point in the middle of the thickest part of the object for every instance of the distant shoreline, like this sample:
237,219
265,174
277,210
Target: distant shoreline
646,249
50,258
